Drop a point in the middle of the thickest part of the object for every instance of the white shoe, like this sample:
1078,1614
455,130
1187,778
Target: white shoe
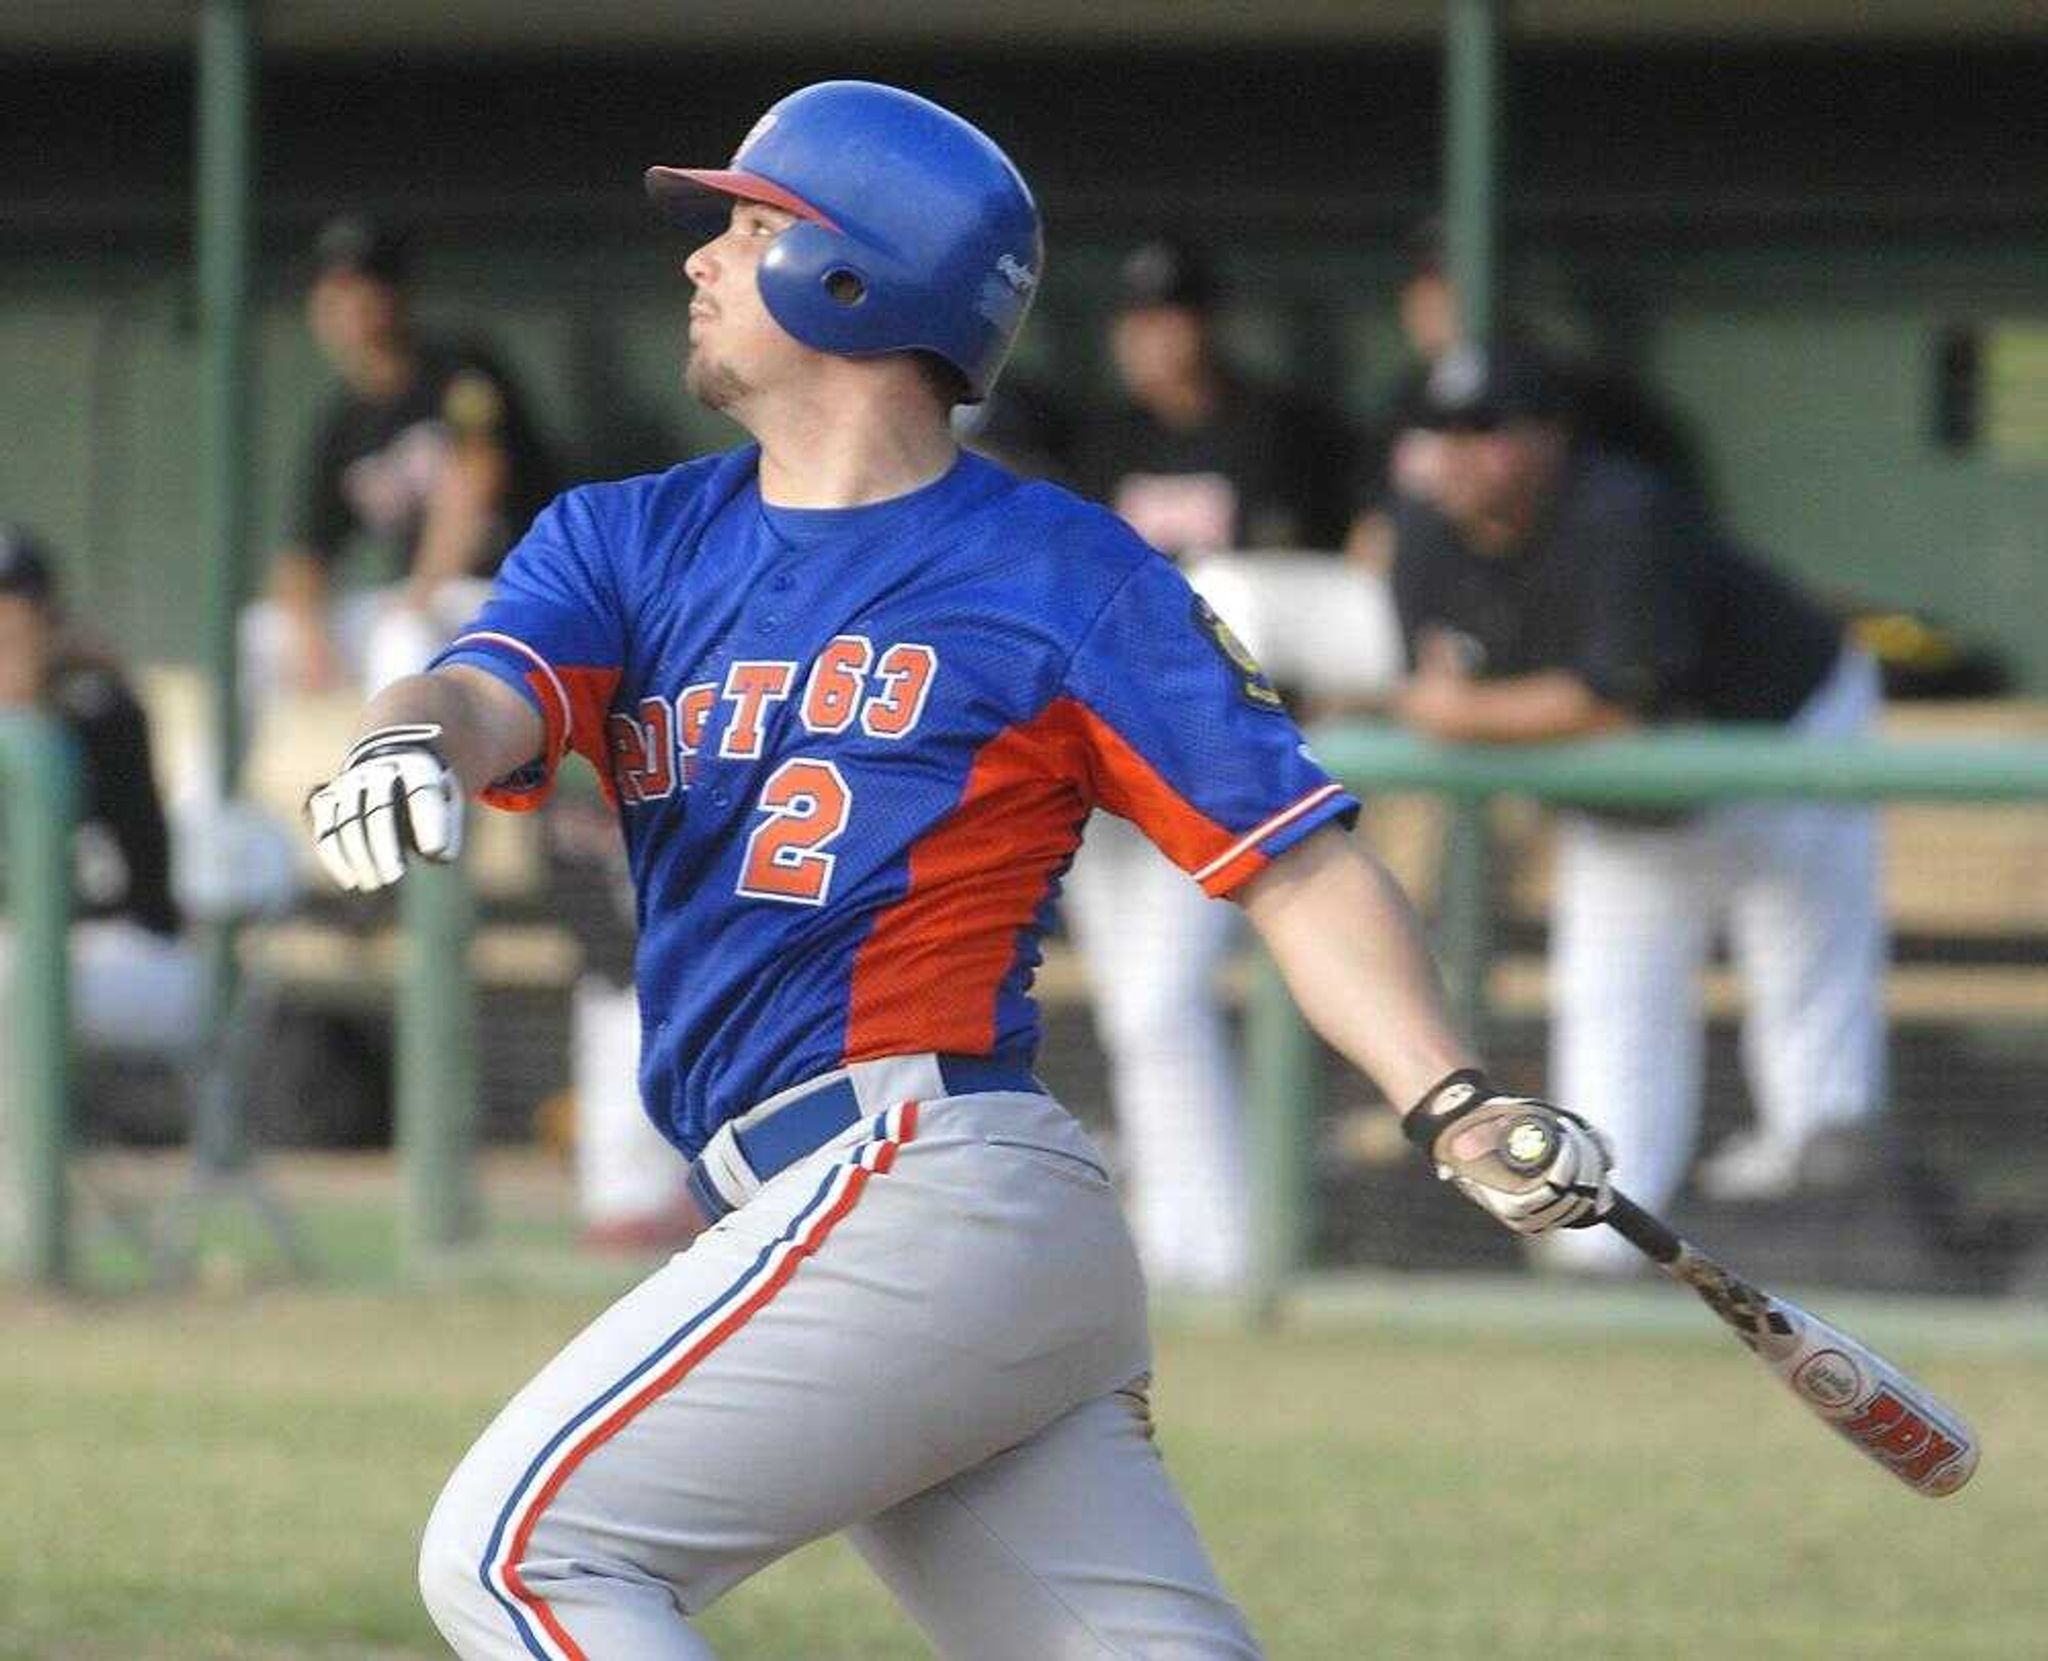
1753,1165
1757,1165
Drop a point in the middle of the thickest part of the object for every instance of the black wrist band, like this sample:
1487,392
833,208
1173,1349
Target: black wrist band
1448,1101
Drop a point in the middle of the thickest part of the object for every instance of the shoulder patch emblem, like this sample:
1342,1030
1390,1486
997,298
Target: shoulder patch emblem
1251,679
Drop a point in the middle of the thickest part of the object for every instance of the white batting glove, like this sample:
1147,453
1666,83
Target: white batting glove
393,799
1532,1165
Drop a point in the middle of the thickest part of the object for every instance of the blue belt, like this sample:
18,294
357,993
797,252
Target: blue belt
745,1152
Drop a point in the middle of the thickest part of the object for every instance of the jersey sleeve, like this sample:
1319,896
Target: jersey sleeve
1183,735
554,631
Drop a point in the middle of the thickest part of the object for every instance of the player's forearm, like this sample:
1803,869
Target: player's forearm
1351,950
1522,709
487,729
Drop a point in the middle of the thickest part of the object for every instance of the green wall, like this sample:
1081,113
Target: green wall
1813,381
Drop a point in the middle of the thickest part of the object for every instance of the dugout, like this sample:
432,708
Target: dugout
1819,228
1790,228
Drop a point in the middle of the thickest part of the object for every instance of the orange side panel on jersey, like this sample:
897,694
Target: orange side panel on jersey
928,975
590,694
1127,784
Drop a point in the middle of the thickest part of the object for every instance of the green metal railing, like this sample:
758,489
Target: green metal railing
1692,766
38,772
437,1102
1675,768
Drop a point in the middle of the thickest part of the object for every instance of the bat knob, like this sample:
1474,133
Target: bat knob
1527,1145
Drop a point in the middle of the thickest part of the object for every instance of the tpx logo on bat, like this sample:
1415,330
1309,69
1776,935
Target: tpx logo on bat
1924,1455
1864,1397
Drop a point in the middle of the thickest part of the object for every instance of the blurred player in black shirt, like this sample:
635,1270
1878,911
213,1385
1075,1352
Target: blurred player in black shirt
1547,554
1197,459
426,449
136,983
1401,454
1554,590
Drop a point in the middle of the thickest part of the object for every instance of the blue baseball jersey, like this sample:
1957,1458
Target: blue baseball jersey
852,752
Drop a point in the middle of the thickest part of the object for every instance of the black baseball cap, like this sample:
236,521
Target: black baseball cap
25,569
355,242
1477,389
1165,272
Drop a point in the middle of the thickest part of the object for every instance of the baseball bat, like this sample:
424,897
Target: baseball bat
1850,1388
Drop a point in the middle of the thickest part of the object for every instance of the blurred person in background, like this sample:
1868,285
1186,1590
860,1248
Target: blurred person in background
1399,457
1194,457
137,983
630,1180
1554,590
1403,457
1196,460
425,448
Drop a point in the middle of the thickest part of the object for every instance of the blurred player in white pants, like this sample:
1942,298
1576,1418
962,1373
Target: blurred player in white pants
629,1178
1555,590
1196,461
1638,911
1154,942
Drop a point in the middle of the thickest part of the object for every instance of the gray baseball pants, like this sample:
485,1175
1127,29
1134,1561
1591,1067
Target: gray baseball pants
930,1333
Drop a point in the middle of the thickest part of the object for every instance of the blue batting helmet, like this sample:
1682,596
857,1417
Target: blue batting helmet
914,232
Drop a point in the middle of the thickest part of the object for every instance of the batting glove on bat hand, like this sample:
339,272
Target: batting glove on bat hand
1532,1165
394,798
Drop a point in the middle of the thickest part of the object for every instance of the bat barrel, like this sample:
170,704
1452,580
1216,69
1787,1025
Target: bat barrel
1863,1397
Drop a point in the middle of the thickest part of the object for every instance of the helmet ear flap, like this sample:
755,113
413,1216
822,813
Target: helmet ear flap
810,279
827,290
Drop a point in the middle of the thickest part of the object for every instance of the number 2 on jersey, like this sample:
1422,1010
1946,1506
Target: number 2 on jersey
808,804
808,801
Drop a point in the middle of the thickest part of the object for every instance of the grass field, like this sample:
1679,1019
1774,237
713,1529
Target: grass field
1417,1473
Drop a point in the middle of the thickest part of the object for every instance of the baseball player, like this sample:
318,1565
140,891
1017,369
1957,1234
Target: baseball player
425,449
854,694
1557,589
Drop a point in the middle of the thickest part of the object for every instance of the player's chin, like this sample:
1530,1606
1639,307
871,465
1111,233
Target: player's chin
713,383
